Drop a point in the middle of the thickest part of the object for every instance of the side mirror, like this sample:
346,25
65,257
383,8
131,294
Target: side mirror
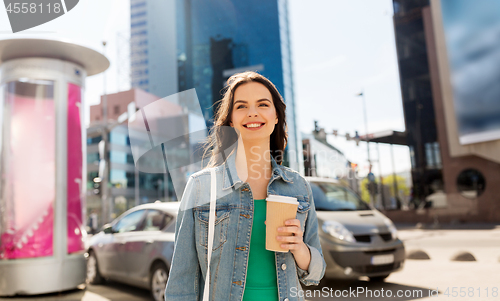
108,229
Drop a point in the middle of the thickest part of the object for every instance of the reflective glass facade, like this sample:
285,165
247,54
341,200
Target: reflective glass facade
215,39
417,97
220,38
153,46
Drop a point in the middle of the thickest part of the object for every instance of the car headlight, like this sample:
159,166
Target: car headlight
338,231
392,228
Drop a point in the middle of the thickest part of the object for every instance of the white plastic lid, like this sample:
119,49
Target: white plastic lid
282,199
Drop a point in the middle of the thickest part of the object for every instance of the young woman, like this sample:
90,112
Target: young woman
241,268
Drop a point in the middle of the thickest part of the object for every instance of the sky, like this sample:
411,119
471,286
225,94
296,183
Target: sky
339,48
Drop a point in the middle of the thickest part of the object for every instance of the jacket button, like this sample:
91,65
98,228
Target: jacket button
283,267
286,299
244,189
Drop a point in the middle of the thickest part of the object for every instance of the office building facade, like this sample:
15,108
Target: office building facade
214,40
452,114
153,47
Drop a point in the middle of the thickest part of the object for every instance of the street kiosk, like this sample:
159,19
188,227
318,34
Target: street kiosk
43,164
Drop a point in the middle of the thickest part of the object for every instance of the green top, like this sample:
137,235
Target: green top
261,282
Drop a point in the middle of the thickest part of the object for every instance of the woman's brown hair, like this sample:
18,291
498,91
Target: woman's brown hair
222,136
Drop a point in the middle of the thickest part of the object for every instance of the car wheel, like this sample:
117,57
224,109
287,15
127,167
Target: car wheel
93,275
159,277
379,278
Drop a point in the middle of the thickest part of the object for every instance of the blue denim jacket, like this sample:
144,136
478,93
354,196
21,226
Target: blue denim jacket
233,227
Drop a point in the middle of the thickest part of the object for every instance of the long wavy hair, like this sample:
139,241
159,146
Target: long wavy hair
222,137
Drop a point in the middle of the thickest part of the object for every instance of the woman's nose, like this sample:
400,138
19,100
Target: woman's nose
252,112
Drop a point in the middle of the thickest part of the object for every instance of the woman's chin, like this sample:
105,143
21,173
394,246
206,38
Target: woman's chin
254,138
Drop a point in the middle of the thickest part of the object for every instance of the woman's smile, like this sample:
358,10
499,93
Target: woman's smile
254,126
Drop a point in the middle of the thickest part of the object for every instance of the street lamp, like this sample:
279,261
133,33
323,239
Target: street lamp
366,130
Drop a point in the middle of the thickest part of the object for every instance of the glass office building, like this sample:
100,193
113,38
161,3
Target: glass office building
153,47
214,40
418,103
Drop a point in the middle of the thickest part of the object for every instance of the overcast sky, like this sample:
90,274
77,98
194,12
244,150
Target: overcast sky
339,48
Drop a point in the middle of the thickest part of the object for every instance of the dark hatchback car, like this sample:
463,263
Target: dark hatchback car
136,248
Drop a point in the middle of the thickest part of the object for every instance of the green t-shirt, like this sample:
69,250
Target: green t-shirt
261,282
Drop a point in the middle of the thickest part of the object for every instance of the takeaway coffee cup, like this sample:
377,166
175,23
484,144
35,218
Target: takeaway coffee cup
279,209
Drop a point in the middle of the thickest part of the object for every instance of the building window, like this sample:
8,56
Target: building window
471,183
412,157
94,140
433,155
92,157
119,138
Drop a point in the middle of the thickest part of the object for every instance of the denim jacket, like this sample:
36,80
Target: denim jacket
233,227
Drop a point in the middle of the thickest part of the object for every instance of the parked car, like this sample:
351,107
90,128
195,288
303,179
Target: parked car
356,239
136,248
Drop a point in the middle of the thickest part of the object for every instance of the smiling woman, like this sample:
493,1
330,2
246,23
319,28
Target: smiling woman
251,113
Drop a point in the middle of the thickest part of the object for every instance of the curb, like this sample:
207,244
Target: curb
463,256
417,255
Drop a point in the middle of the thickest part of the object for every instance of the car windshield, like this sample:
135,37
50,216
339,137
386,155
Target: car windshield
335,197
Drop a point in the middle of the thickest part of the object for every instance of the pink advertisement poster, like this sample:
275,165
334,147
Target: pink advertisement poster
75,170
28,173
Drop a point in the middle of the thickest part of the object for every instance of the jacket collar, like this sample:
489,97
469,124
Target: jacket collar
230,175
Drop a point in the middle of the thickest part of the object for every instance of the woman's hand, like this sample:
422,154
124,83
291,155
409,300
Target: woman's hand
295,243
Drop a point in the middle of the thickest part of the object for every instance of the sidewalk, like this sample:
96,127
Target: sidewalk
444,242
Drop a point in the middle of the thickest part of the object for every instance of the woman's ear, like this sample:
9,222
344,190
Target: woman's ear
276,121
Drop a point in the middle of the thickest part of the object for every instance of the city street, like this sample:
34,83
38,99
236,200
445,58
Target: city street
419,279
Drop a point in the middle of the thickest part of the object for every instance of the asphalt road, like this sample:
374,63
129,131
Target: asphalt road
439,277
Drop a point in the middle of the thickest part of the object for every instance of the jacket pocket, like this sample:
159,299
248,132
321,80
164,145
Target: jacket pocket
221,225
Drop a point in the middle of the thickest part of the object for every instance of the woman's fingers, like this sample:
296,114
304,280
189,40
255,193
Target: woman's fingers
292,222
291,246
291,229
291,242
292,239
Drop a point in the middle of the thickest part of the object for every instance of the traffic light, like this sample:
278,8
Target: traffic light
97,186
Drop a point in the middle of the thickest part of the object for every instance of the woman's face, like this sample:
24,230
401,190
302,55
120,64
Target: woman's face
254,114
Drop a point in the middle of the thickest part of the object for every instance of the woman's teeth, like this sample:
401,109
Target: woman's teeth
254,125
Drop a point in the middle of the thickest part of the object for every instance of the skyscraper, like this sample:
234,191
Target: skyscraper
449,82
153,46
214,40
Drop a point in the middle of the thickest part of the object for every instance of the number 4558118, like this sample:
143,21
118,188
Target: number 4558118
33,8
471,291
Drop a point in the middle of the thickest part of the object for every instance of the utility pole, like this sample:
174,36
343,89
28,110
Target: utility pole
106,201
362,94
395,183
382,196
370,178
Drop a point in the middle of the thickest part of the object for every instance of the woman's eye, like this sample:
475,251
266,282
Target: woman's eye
264,104
240,106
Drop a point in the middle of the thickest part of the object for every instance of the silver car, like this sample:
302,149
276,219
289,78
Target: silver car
356,239
136,248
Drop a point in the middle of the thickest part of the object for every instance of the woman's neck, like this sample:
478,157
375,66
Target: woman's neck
253,160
